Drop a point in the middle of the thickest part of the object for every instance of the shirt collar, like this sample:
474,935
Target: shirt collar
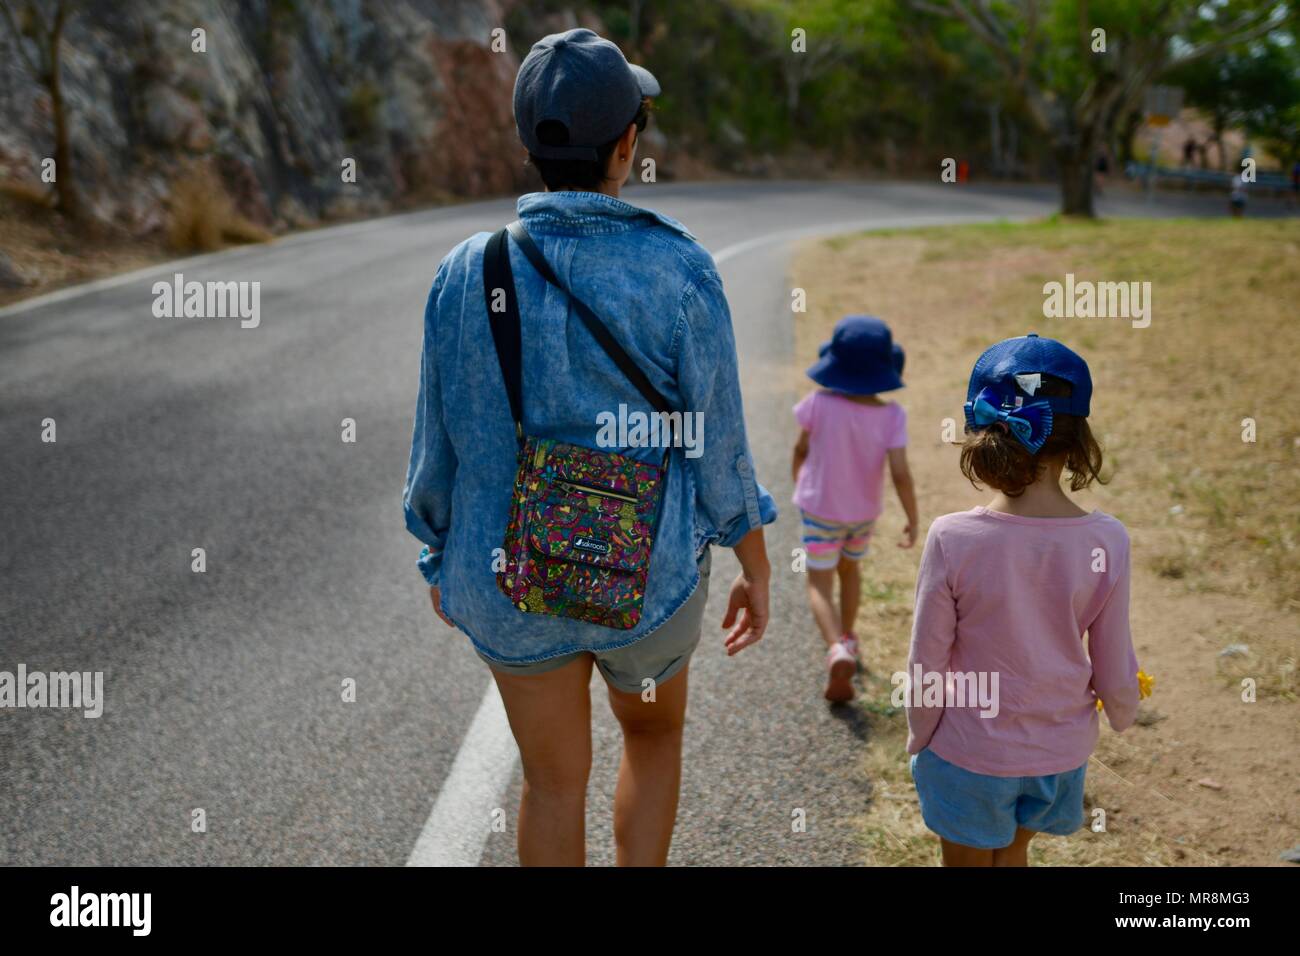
587,212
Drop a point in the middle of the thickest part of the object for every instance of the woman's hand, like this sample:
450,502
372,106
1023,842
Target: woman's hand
749,599
435,595
748,594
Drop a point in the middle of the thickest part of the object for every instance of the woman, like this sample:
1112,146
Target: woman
578,108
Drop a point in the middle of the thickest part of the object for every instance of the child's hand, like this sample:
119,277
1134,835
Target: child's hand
1145,683
908,537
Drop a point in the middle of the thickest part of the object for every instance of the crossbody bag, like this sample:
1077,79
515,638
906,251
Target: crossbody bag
582,520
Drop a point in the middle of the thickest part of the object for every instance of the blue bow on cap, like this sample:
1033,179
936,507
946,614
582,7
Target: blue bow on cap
1030,423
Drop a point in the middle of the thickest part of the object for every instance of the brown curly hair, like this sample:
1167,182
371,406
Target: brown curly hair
994,457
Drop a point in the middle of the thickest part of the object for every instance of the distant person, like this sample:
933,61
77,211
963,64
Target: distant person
556,542
848,434
1102,169
1006,593
1237,196
1189,152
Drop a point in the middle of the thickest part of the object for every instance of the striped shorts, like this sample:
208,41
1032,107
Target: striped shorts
825,540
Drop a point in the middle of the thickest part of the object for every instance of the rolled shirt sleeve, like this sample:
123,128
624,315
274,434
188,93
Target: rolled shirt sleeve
426,499
730,501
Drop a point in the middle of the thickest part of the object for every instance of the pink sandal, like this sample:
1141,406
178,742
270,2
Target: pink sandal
840,666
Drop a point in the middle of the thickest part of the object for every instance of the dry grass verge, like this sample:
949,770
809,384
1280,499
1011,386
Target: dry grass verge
40,250
202,217
1205,778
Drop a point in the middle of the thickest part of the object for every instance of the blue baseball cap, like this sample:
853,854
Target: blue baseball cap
583,83
1013,368
860,359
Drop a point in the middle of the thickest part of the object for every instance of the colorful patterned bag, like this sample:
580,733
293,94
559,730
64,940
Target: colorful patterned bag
582,521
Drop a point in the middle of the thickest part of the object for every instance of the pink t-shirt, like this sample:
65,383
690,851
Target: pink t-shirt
1004,594
843,477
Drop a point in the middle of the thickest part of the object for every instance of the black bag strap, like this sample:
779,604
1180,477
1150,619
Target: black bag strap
505,324
604,338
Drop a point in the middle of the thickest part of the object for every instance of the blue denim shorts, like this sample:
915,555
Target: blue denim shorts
980,811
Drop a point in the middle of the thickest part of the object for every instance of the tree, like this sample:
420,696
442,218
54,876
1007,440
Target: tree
834,32
27,24
1256,87
1077,85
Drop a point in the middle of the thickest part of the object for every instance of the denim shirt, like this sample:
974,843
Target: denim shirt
658,291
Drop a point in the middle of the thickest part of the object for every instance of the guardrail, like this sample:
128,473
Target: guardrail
1193,178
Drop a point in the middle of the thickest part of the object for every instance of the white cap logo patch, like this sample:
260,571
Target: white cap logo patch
1030,382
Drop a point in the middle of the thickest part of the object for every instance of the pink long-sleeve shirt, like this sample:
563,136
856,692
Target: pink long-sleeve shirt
1008,600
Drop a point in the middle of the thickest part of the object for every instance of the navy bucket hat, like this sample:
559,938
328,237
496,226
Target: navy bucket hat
582,82
860,359
1004,384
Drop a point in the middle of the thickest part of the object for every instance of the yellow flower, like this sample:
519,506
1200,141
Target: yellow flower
1145,683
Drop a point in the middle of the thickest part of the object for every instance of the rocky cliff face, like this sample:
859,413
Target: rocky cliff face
284,93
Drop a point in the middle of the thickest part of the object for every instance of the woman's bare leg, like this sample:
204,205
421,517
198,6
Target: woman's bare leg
550,715
650,774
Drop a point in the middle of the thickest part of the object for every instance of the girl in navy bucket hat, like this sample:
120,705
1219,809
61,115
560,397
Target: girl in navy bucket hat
847,434
1006,593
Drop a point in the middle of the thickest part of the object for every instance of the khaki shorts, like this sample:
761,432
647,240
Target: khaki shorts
659,655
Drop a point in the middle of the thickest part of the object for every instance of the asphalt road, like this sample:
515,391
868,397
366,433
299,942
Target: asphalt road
223,689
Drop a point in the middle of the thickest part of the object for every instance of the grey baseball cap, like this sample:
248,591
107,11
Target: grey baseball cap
583,82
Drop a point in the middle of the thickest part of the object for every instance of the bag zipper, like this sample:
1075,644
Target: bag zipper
595,490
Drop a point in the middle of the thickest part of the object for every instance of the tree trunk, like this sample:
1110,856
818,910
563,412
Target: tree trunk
793,84
1076,165
995,140
634,25
1218,142
64,187
1132,122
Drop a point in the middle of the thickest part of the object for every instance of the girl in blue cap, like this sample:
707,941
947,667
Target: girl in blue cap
1003,690
847,434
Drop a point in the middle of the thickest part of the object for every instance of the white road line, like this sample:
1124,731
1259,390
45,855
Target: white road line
458,827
